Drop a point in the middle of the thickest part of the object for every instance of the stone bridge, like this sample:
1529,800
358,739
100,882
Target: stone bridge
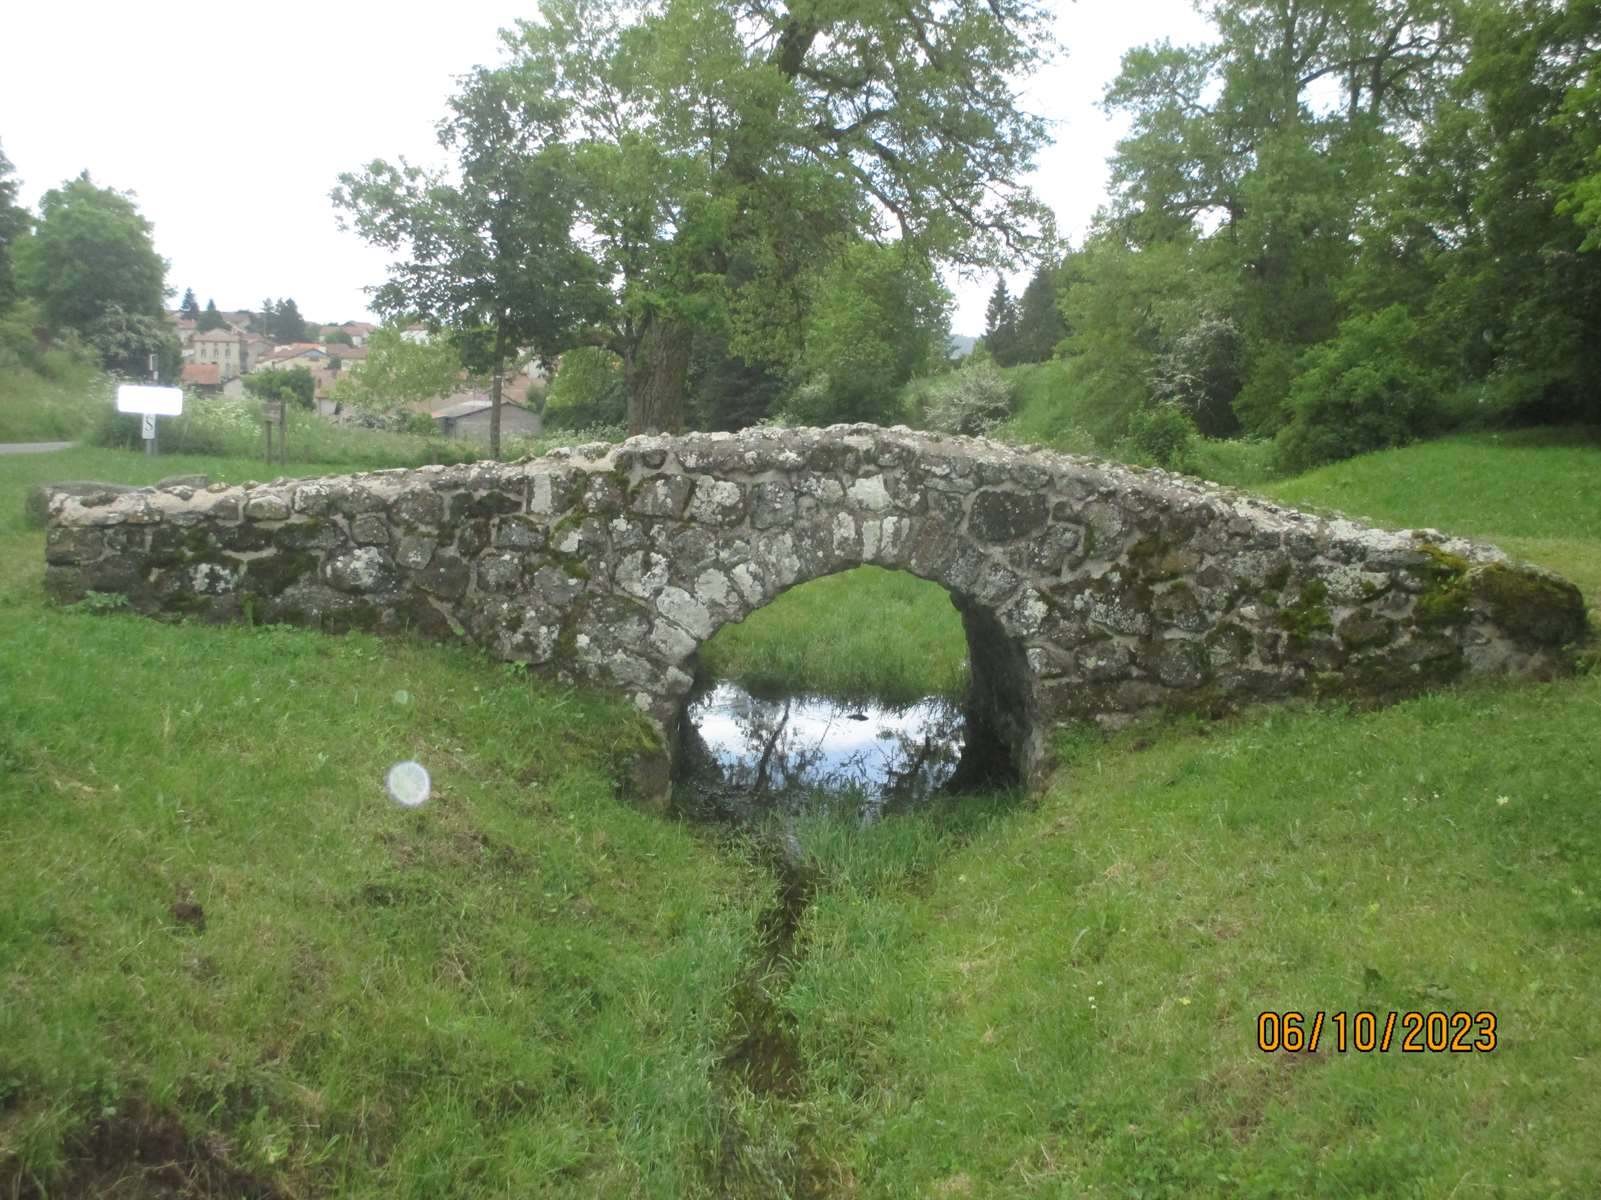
1087,590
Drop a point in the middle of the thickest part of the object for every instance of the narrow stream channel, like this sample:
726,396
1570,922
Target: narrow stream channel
756,764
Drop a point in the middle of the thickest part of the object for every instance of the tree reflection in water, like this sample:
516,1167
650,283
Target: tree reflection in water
744,756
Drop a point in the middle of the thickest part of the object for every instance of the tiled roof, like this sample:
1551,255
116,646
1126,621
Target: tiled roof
217,335
202,374
467,408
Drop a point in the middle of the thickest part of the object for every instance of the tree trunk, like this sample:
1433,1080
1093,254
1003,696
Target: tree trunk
494,391
656,376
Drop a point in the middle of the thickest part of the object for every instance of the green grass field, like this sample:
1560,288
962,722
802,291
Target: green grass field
228,963
862,634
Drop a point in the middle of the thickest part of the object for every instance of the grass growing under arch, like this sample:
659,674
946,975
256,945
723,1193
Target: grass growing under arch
867,633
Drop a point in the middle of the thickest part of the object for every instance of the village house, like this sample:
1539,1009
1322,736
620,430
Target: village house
225,348
256,349
468,419
359,331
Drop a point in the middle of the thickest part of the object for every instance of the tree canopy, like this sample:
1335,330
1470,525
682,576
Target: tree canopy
487,251
292,384
91,251
209,319
1404,180
282,322
14,223
398,372
91,267
722,150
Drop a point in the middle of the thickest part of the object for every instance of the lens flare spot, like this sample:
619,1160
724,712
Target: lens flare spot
408,783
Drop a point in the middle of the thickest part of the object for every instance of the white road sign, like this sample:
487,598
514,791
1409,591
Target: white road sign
148,426
144,398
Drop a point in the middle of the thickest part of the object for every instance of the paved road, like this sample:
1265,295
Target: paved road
33,447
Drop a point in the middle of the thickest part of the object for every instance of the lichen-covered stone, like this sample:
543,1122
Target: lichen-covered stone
364,569
1086,589
267,507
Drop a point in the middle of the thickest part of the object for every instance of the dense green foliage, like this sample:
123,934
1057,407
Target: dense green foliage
874,318
974,400
588,389
209,318
732,162
14,223
281,321
1348,223
398,372
293,385
92,270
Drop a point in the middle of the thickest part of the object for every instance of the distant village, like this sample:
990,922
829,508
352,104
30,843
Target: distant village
216,361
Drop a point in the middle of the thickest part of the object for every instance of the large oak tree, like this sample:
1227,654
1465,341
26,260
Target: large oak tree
723,151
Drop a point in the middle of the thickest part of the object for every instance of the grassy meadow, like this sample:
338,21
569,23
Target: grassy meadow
230,966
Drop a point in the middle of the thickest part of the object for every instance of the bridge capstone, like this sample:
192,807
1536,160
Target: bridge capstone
1087,589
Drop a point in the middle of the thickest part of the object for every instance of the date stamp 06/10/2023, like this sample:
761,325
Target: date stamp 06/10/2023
1376,1032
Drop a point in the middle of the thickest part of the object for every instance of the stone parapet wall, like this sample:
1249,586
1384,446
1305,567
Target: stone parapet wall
1088,589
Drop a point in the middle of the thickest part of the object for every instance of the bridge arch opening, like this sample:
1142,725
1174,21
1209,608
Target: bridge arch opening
860,680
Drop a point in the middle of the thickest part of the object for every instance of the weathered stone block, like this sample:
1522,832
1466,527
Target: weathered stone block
1006,516
267,507
445,575
364,569
370,529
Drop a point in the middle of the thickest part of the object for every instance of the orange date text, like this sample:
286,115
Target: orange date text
1433,1032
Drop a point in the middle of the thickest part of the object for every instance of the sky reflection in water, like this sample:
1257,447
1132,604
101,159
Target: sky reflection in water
798,745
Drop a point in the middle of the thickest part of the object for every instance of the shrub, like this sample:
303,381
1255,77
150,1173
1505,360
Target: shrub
1201,374
974,400
1363,390
1161,434
292,385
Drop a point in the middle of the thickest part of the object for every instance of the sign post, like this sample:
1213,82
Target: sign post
151,402
272,413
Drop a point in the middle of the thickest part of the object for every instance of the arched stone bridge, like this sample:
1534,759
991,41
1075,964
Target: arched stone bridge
1086,589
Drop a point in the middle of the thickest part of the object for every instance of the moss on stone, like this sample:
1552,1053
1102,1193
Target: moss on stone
1310,613
196,541
273,573
1383,676
358,617
567,640
1529,604
185,603
1444,599
1444,604
1445,563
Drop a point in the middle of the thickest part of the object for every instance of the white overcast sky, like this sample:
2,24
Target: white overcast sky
231,123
